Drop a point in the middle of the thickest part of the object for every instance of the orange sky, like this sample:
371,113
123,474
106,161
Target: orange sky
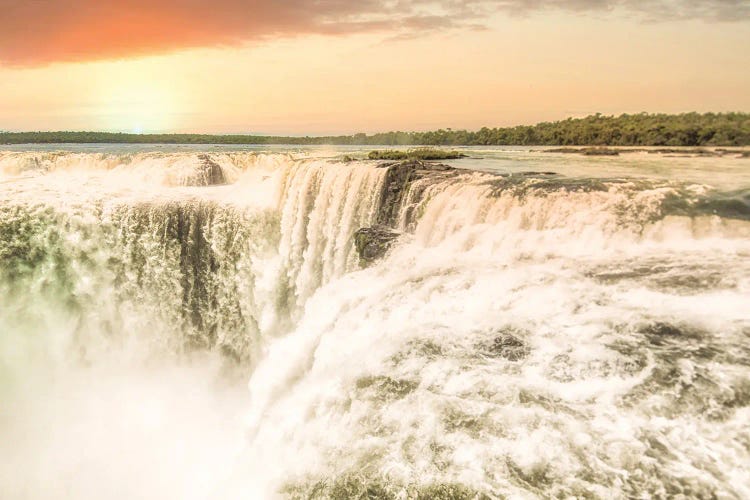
337,66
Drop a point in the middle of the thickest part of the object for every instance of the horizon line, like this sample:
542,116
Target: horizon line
370,134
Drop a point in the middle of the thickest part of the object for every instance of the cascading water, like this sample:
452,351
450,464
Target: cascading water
526,334
213,272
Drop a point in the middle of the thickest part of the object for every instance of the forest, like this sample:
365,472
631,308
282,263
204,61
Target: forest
644,129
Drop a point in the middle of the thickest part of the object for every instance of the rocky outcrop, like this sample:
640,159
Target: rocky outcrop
211,173
426,154
400,175
595,151
508,344
373,242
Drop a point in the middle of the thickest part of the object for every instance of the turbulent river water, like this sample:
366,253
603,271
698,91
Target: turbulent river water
193,323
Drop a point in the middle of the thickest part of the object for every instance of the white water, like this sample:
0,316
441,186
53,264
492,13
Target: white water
520,339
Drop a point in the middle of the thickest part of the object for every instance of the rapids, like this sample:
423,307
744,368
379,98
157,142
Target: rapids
536,329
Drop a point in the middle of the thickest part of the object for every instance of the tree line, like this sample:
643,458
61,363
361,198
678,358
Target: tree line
644,129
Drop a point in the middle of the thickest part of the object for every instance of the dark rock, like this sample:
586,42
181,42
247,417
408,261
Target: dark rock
373,242
508,345
387,388
662,334
211,173
596,151
684,151
533,173
523,184
600,152
184,231
400,175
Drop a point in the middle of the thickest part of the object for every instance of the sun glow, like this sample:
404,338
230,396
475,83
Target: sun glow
138,106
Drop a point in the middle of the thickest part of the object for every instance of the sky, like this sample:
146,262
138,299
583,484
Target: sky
298,67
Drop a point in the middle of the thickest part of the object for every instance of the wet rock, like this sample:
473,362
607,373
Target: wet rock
507,346
534,173
386,388
211,173
457,420
561,369
373,242
600,152
684,151
661,334
211,312
398,178
541,184
535,478
595,151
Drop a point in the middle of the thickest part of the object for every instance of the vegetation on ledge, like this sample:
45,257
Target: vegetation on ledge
688,129
424,154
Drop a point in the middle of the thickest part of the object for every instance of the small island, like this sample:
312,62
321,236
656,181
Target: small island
424,154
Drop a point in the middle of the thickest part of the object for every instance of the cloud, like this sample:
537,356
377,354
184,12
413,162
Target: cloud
34,32
646,10
39,31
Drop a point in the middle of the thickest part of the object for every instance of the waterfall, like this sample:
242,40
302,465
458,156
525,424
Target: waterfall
524,334
205,272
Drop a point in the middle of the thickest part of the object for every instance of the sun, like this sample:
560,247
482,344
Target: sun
137,105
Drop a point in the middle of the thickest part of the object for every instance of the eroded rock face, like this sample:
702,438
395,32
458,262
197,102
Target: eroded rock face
397,180
373,242
211,173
